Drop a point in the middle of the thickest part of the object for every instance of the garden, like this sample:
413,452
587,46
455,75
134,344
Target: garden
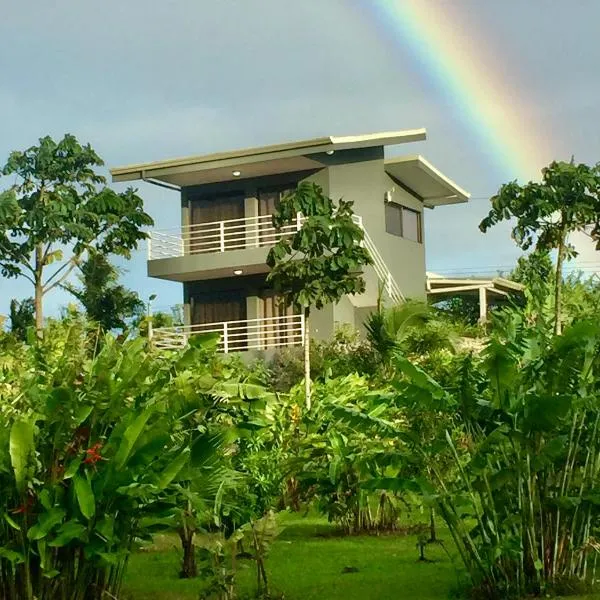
430,457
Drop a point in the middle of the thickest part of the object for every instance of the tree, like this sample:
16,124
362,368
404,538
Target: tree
566,200
59,201
320,262
105,301
21,317
536,272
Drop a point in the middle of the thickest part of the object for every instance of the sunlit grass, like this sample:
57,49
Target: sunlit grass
307,562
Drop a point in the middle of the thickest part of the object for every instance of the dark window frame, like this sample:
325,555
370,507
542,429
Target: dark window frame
397,229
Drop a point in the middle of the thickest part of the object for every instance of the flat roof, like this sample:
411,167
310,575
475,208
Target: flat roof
425,181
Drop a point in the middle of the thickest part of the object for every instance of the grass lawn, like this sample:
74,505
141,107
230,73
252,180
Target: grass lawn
307,562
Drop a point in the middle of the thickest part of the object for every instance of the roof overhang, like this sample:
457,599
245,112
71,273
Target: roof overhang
445,287
257,162
424,181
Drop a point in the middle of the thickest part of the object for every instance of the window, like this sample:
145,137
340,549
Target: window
393,218
403,222
268,202
268,199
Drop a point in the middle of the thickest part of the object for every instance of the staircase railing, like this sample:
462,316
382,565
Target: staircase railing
383,273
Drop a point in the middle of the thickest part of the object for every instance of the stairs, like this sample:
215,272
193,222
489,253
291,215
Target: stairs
382,282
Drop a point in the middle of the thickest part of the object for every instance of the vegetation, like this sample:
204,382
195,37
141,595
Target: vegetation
328,244
106,302
310,560
60,202
427,466
22,317
566,200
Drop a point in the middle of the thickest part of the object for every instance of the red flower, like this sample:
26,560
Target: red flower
93,454
25,507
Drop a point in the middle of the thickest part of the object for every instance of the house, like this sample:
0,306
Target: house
227,199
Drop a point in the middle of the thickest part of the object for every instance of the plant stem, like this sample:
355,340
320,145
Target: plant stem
307,386
559,280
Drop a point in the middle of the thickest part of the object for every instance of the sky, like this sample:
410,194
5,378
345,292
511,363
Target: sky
144,83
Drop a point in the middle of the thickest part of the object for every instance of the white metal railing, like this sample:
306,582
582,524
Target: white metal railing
250,232
237,336
383,273
218,236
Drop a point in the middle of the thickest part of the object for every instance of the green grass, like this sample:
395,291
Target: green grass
306,563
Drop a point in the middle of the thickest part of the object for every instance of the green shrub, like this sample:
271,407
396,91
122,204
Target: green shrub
346,353
89,446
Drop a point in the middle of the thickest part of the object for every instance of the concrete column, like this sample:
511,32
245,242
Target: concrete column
252,229
255,333
185,222
482,304
187,314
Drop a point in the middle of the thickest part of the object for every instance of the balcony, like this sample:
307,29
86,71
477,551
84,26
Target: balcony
215,237
237,336
174,254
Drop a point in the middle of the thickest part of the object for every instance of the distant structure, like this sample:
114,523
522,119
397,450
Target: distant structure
488,291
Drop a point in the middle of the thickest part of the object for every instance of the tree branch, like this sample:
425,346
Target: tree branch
59,281
46,251
3,265
71,264
28,278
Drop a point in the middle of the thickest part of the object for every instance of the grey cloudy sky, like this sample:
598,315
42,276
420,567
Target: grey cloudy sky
143,82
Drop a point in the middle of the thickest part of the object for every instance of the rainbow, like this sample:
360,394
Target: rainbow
463,70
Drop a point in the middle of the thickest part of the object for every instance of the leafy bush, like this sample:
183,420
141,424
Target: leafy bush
521,501
88,450
332,459
346,353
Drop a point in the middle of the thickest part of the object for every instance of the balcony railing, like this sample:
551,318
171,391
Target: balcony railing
250,232
237,336
218,236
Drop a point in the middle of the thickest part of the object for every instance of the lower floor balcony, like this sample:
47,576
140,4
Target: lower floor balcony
237,336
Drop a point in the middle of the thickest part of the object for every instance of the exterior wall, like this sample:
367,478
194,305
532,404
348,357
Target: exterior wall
365,183
321,323
212,265
344,312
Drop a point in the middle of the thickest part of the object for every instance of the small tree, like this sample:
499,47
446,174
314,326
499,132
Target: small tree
21,317
566,200
536,272
107,302
321,262
58,202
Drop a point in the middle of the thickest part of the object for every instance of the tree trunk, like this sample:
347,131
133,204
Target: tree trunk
39,291
432,531
558,284
189,568
307,359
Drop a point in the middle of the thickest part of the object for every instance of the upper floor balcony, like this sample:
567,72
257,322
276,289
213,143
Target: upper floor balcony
217,237
236,246
214,250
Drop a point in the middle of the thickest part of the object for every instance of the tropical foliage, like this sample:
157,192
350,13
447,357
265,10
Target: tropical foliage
106,302
321,261
565,201
57,210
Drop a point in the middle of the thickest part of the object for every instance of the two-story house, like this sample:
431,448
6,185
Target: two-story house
227,199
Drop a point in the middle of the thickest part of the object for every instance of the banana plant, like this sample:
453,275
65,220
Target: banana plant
88,459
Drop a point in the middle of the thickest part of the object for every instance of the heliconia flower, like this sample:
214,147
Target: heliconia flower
93,454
